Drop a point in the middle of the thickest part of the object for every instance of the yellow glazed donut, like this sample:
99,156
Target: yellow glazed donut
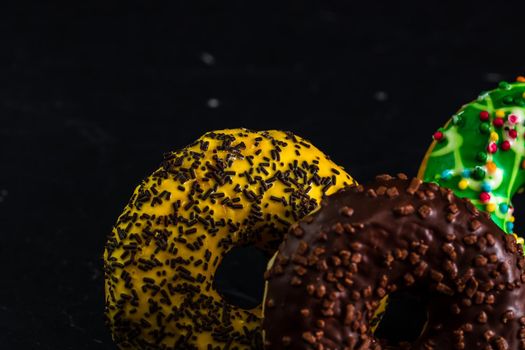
229,188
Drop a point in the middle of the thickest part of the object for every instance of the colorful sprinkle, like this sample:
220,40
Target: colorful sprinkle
520,79
500,113
494,136
509,226
463,184
466,173
504,85
484,115
482,156
505,145
484,197
492,147
503,208
491,207
513,118
438,136
486,187
498,122
478,173
513,133
484,128
491,167
446,174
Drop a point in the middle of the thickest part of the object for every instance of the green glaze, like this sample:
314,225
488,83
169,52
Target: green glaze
462,159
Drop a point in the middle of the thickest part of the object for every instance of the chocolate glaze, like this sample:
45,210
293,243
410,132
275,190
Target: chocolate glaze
396,234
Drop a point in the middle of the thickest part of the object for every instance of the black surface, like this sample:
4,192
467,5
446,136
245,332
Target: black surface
92,93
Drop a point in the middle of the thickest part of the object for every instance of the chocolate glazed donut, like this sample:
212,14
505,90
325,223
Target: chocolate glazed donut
396,234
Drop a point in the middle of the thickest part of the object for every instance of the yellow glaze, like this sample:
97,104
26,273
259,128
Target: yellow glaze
228,188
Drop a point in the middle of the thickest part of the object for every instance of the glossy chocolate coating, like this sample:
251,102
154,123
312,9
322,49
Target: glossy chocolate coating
396,234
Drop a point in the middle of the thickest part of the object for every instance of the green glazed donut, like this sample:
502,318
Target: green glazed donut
480,152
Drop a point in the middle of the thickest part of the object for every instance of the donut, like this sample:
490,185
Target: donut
401,235
229,188
480,152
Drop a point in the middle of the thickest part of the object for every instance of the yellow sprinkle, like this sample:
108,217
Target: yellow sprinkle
512,218
491,207
491,167
500,113
494,136
463,184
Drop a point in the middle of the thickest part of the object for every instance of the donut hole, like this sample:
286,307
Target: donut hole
240,277
404,318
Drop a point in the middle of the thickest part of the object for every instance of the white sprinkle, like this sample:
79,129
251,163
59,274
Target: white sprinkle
3,195
381,96
207,59
493,77
213,103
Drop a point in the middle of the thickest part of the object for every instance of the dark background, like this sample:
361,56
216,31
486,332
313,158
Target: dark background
92,94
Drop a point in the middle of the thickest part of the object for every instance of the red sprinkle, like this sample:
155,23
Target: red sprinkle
513,118
513,133
505,145
484,115
438,136
492,147
498,122
484,197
